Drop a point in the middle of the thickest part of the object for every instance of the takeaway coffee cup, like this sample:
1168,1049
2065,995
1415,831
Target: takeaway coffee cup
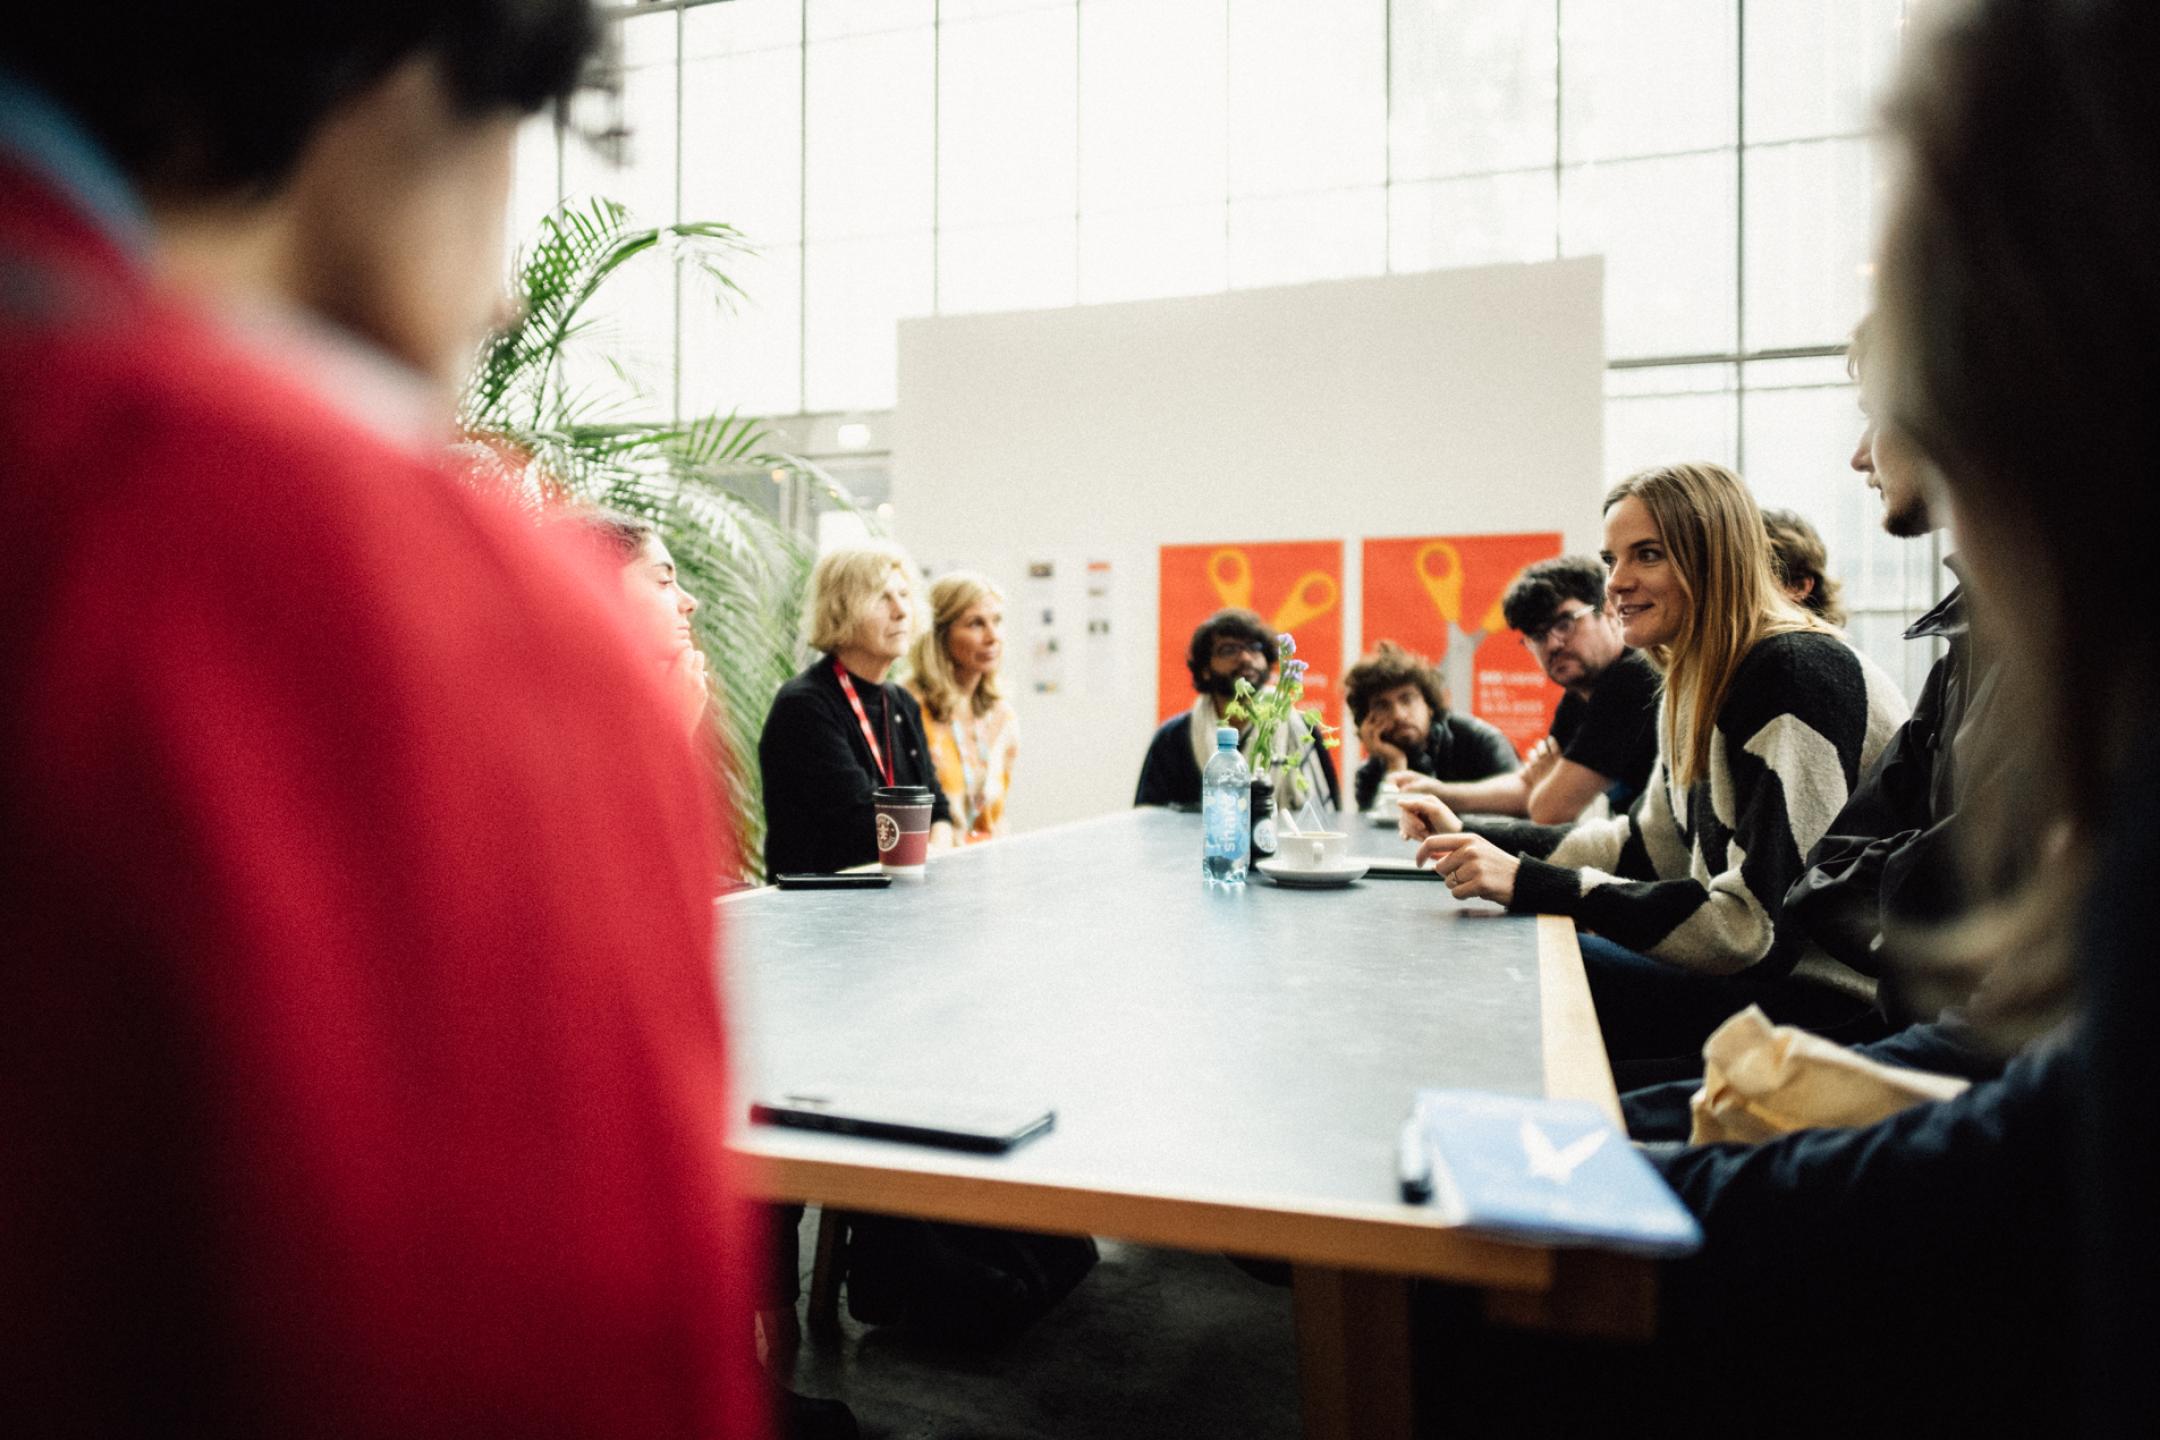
1312,849
903,829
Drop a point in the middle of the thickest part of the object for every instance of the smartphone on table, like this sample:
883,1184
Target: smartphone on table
845,880
952,1122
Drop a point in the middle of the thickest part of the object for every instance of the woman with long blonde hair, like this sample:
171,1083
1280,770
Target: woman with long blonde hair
953,674
1768,720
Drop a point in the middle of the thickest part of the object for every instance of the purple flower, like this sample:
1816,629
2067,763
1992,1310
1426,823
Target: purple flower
1286,644
1296,669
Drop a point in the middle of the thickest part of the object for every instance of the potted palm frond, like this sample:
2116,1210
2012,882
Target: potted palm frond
550,414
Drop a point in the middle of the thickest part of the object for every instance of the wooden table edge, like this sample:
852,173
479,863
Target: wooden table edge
1377,1238
1594,1292
1576,1067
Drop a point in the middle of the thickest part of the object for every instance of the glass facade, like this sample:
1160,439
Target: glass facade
892,158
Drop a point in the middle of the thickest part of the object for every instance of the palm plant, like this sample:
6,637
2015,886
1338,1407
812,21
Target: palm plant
550,414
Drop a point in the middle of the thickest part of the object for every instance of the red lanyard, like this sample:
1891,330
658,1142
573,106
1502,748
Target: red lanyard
862,718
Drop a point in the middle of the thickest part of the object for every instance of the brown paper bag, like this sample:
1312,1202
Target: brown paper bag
1761,1081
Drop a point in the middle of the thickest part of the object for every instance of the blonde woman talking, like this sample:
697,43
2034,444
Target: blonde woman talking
1768,720
953,675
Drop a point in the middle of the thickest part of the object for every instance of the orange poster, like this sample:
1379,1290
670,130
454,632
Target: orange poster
1295,585
1439,595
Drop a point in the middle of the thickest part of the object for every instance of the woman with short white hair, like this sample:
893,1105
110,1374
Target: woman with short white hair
837,732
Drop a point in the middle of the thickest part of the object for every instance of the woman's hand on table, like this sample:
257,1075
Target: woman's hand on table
1420,816
1473,867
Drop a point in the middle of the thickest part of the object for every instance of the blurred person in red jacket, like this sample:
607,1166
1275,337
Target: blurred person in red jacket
360,1065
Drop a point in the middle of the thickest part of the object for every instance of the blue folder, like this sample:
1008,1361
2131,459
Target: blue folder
1548,1172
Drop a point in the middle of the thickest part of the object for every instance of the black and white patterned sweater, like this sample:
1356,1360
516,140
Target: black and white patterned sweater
1697,878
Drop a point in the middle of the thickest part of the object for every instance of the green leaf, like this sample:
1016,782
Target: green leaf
551,413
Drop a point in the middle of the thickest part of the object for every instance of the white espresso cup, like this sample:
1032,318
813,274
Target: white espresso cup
1312,849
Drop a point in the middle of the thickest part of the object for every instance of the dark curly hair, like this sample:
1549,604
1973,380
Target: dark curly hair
1230,624
218,98
1538,593
1388,667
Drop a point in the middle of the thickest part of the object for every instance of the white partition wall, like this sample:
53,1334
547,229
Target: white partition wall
1448,402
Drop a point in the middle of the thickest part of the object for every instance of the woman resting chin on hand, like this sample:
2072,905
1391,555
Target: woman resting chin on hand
659,608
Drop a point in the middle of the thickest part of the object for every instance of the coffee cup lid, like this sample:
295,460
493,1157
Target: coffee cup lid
901,795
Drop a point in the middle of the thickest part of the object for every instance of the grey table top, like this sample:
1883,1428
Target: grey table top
1370,837
1244,1048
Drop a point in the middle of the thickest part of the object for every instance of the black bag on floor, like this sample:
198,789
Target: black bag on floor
958,1284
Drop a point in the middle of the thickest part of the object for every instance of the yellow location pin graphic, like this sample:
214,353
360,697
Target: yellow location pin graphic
1231,574
1445,584
1314,594
1495,618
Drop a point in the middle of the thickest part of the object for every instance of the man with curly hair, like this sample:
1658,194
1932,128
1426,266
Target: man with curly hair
1399,706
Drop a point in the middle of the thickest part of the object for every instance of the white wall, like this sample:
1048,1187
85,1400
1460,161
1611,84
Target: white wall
1465,401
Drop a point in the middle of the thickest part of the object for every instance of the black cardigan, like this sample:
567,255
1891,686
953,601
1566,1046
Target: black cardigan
819,774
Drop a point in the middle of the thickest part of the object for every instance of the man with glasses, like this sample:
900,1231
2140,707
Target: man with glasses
1604,735
1229,646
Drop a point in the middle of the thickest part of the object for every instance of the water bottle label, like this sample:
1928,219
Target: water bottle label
1222,824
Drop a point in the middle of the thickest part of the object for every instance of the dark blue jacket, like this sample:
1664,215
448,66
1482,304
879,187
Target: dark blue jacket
1912,1277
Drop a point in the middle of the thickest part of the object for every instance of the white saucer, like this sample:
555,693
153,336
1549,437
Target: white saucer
1297,879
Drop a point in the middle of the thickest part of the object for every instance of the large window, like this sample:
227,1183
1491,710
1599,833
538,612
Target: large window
909,157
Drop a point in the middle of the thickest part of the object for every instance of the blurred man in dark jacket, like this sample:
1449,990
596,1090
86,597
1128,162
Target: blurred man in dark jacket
1886,860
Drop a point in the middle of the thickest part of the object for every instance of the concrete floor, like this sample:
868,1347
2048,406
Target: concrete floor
1154,1345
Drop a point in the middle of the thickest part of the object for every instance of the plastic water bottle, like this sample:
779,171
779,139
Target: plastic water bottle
1225,812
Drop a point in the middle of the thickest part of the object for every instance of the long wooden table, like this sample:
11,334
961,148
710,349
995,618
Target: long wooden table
1230,1070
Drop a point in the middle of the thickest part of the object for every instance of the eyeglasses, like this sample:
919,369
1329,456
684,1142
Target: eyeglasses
1238,649
1558,628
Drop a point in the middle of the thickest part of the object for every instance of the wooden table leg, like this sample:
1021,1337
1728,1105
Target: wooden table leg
825,1278
1611,1297
1353,1332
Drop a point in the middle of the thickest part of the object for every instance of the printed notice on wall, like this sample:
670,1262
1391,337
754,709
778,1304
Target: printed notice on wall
1046,665
1100,664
